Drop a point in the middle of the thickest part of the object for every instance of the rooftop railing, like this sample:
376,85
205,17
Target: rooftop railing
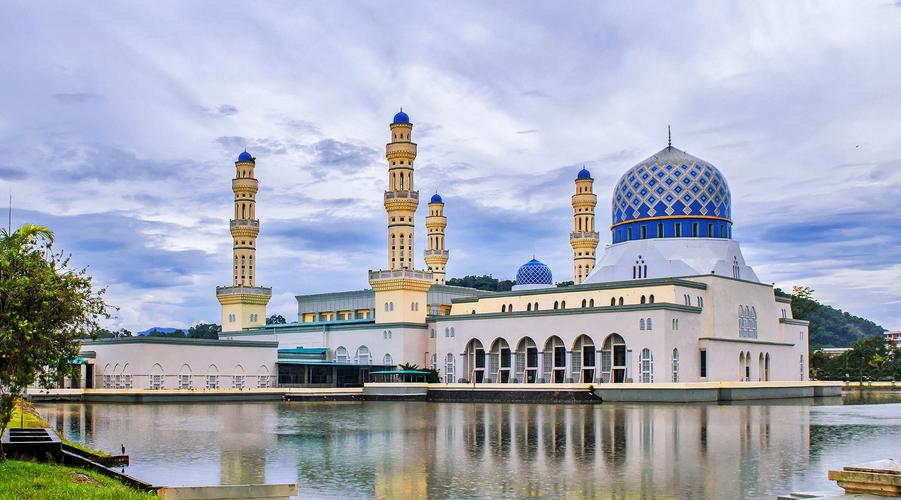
243,290
400,273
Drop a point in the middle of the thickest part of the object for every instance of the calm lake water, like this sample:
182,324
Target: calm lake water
445,450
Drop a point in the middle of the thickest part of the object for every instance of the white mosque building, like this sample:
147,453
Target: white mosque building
670,299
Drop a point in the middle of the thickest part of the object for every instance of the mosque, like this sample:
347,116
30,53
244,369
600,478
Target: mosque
669,299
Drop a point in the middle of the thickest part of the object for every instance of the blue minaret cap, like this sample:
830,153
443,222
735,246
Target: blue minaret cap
436,198
584,174
245,156
401,117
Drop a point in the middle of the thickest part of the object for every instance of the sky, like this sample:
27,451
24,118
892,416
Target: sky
120,123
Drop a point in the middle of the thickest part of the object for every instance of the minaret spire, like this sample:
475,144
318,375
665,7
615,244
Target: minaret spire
401,201
583,239
436,256
244,303
669,137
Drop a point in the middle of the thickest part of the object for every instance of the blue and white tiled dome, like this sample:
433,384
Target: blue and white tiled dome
683,195
534,272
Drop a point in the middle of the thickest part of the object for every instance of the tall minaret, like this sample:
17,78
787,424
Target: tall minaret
436,256
244,303
401,292
401,200
583,239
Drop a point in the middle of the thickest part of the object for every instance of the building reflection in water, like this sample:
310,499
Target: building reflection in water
427,450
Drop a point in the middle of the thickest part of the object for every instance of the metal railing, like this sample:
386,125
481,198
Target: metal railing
243,222
389,195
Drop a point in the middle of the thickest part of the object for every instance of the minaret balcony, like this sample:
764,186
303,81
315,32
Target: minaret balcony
401,150
245,185
244,223
584,236
437,253
390,195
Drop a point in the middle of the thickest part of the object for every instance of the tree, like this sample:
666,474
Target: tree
486,282
44,306
564,284
204,331
276,319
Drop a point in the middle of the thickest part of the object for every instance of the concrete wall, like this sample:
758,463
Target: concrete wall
157,363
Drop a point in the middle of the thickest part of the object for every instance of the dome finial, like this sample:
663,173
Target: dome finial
669,137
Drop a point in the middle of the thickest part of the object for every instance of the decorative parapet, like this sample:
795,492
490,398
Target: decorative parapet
243,294
243,223
437,253
390,195
400,279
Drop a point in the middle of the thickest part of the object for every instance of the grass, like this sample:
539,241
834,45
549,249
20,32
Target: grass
31,420
28,480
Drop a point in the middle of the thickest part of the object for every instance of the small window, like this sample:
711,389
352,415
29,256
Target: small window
629,234
644,232
660,230
620,301
649,324
591,303
504,308
678,227
585,303
613,301
641,324
643,299
651,299
694,230
529,307
556,305
562,304
704,363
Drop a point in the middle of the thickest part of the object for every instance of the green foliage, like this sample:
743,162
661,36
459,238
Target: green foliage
485,282
158,333
103,333
432,376
204,331
28,480
276,319
868,359
45,305
564,284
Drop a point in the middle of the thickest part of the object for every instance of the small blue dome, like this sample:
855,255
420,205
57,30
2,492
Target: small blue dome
401,118
245,156
436,198
534,272
584,174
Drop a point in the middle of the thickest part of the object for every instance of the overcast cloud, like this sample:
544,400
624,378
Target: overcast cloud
120,123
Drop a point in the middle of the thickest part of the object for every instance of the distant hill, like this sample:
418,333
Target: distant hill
158,329
486,282
829,326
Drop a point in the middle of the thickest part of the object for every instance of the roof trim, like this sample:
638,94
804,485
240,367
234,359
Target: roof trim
585,287
796,322
575,310
181,341
324,327
744,341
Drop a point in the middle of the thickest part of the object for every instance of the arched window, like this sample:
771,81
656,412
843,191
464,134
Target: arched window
562,304
536,306
650,325
504,308
675,365
362,356
643,299
341,355
591,303
452,332
620,301
584,302
447,332
612,301
529,306
556,305
433,364
386,307
449,369
641,324
510,308
387,361
391,306
646,362
651,299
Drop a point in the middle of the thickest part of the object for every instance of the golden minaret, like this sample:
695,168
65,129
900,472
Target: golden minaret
401,201
244,303
583,238
436,256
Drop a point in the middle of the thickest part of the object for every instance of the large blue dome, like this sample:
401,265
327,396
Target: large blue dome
436,198
245,156
584,174
671,194
401,118
534,272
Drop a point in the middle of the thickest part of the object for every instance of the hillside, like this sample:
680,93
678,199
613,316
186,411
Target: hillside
829,326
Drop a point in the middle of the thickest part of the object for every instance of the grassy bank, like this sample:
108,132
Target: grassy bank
29,480
30,419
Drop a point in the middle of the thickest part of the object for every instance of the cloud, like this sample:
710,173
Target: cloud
507,106
77,97
227,110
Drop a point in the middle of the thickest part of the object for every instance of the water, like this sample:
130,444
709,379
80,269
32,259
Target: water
445,450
